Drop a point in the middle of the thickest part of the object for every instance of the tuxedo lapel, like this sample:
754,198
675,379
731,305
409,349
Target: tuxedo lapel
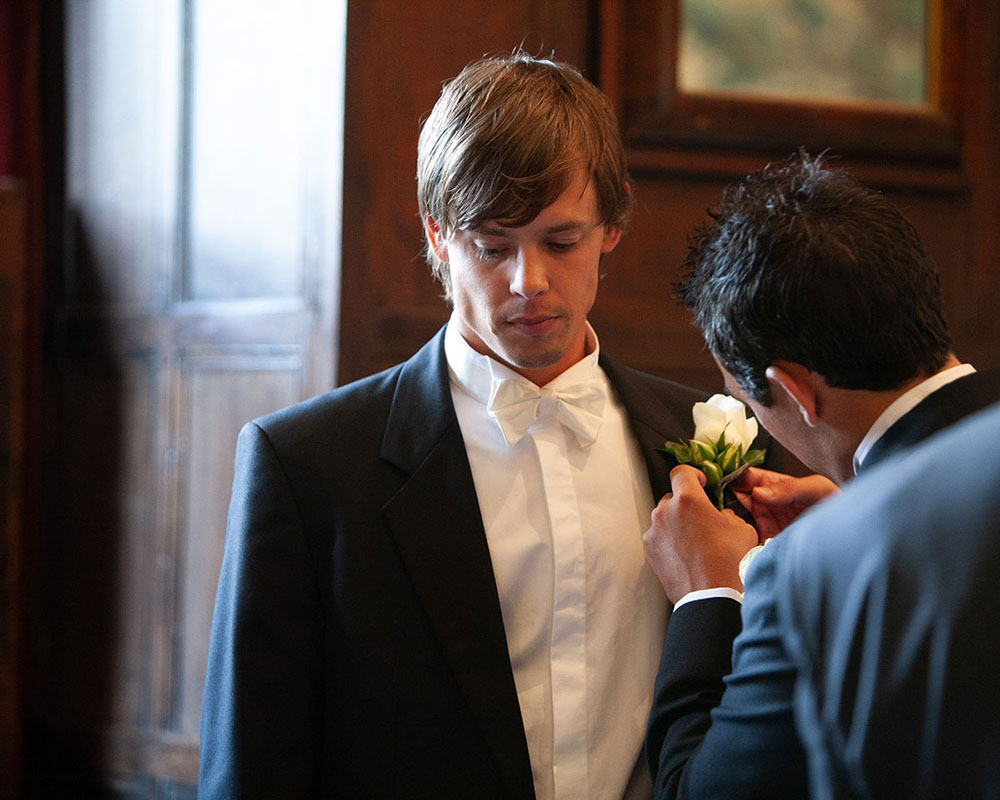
655,418
438,529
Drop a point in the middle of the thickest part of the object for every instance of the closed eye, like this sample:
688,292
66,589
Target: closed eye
562,247
487,253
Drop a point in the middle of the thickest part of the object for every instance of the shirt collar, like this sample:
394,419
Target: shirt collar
474,372
904,403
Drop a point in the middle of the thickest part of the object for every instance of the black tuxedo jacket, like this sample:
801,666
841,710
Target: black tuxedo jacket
725,712
358,648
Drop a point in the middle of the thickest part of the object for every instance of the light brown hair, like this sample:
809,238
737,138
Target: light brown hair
506,138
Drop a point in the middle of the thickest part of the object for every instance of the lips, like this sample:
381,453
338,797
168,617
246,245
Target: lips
535,325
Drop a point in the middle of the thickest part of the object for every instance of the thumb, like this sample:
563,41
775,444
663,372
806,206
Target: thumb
685,478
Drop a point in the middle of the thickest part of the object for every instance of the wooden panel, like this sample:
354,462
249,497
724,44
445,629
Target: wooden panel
219,394
636,314
979,78
261,199
122,148
99,525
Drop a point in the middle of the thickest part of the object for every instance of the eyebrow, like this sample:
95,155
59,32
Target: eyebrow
565,227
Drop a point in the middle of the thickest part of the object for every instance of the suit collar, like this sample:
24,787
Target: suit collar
421,411
938,410
898,408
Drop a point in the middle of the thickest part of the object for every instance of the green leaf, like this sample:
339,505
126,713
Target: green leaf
681,452
751,459
712,471
730,458
721,444
706,449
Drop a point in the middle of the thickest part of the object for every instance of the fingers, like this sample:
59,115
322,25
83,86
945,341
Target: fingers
769,496
757,476
685,478
795,491
687,484
690,544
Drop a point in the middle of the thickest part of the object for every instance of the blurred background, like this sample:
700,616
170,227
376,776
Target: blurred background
207,212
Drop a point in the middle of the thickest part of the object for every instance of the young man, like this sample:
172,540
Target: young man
434,582
824,313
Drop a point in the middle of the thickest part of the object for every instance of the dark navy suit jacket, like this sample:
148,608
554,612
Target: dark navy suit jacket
861,626
358,648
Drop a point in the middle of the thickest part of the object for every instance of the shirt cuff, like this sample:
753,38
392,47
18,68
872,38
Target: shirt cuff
706,594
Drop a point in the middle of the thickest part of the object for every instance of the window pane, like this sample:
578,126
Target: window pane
248,103
839,49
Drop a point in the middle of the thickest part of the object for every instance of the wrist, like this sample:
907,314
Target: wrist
707,580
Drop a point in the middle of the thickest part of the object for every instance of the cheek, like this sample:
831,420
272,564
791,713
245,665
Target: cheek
584,281
476,292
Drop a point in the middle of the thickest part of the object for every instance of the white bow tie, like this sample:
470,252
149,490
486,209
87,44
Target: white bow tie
515,406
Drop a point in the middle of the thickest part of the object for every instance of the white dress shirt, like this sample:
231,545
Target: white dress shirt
583,613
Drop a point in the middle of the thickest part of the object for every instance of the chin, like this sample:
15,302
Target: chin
537,359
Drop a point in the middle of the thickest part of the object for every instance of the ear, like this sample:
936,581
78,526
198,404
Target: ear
797,383
612,233
435,238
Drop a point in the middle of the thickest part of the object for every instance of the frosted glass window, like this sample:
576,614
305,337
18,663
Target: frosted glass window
247,172
850,50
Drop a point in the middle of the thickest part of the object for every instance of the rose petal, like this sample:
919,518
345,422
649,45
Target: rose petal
709,421
730,405
736,433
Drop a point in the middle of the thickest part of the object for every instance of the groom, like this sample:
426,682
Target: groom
429,589
823,311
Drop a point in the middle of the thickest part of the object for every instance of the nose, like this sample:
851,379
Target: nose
530,277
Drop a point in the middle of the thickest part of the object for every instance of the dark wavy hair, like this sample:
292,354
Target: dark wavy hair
802,263
505,139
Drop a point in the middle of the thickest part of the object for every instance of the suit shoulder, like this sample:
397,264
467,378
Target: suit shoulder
361,402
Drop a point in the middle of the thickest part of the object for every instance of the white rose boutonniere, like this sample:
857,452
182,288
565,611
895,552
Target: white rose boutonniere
720,447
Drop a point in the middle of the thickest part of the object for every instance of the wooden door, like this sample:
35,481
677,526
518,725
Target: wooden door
196,288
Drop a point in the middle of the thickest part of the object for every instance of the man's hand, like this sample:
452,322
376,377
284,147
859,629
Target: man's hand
691,544
776,500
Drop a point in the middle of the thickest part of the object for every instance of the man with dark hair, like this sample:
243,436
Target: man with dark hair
824,313
826,273
434,582
807,281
